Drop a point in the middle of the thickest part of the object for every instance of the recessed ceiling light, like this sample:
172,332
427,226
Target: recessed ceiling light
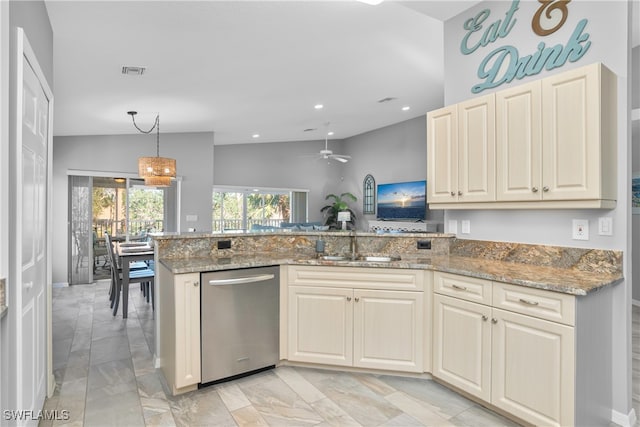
255,135
371,2
318,106
330,133
406,108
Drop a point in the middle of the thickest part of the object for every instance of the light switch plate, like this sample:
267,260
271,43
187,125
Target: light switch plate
192,218
465,226
580,229
605,226
452,226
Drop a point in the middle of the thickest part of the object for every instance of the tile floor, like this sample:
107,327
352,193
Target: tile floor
105,377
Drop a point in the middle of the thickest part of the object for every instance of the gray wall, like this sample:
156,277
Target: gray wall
119,153
610,46
282,165
396,153
635,168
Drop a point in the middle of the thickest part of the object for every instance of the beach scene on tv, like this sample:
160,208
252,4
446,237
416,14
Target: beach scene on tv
402,201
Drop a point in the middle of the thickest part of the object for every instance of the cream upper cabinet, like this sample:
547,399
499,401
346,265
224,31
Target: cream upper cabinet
442,155
555,146
579,137
476,150
461,152
519,144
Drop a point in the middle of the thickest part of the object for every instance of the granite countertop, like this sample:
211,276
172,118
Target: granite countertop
565,280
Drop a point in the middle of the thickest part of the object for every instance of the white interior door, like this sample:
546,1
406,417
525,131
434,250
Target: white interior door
30,222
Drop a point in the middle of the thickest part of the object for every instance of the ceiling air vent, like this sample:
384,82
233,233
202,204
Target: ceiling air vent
387,99
309,130
133,70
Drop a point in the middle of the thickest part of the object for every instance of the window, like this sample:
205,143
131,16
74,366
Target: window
369,193
255,209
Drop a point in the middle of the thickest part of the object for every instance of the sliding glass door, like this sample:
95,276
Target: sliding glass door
123,207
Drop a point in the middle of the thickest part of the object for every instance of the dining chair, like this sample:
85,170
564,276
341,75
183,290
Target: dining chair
145,276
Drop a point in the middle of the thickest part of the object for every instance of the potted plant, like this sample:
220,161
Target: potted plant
340,203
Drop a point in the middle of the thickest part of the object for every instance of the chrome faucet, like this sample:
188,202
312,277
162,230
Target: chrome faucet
354,245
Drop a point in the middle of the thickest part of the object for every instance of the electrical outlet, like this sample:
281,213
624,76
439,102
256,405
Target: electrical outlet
453,226
224,244
580,229
192,218
424,244
605,226
465,226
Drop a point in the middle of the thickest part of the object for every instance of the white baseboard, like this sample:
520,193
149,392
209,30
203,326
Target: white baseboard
157,362
623,420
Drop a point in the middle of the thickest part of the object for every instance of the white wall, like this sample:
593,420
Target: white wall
119,153
635,164
4,185
608,30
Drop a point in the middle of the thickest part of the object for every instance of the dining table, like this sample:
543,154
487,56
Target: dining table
128,252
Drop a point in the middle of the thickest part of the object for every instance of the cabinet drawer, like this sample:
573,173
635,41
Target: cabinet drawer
463,287
357,277
546,305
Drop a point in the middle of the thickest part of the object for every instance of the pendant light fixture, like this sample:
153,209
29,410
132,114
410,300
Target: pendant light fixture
156,171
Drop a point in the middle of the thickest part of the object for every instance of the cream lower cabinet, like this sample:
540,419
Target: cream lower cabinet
179,315
519,363
334,319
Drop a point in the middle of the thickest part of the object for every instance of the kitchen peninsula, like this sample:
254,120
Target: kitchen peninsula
467,312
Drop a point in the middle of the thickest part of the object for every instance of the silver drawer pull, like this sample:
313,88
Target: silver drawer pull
526,301
241,280
458,287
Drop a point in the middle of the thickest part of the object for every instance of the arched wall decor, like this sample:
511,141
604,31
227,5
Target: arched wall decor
369,195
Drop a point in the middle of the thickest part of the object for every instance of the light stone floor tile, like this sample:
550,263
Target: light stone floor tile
232,396
298,384
417,409
105,376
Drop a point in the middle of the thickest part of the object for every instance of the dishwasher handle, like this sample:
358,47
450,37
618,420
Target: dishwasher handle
241,280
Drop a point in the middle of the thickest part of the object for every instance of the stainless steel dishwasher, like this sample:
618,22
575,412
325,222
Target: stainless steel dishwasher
239,322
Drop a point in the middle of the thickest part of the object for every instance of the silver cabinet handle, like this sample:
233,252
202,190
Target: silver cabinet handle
241,280
348,298
458,287
196,284
453,193
534,189
528,302
494,320
484,318
459,193
357,299
545,188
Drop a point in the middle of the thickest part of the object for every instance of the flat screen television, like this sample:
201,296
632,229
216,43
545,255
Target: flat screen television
402,201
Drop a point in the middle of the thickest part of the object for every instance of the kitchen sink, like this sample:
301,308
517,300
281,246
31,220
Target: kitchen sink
335,258
372,258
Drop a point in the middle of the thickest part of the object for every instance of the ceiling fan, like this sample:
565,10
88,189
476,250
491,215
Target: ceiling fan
328,154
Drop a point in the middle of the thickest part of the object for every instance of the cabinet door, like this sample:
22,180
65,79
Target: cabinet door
187,329
518,143
321,325
462,345
442,155
571,135
388,330
476,150
533,369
